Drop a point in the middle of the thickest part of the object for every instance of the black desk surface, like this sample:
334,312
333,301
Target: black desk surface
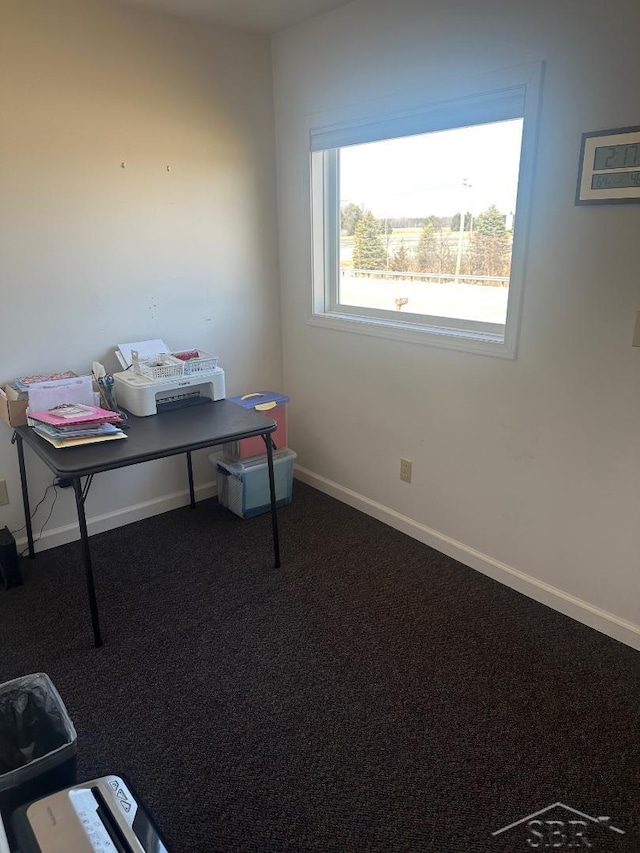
154,437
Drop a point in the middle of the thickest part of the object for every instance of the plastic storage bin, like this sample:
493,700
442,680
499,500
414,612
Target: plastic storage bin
243,487
272,404
38,742
197,361
161,366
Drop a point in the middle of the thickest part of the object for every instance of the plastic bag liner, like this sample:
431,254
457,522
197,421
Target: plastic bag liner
36,732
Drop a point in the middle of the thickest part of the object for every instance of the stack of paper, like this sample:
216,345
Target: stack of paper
47,390
24,383
70,425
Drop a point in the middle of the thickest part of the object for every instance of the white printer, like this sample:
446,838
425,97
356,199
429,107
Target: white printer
155,379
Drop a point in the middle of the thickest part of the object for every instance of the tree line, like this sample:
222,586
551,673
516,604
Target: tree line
351,213
485,248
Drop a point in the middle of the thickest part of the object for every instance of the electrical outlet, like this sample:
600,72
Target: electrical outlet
4,495
405,470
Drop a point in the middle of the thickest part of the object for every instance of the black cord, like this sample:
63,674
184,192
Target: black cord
46,491
49,516
33,514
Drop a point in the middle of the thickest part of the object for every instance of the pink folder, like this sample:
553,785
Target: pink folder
95,416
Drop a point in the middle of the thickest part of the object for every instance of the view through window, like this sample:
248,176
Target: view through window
426,224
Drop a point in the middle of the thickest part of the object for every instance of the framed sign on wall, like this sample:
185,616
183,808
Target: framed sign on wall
609,171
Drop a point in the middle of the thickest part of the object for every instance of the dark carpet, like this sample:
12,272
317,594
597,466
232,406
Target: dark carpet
371,695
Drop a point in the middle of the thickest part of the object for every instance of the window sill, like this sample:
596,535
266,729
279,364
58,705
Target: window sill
480,343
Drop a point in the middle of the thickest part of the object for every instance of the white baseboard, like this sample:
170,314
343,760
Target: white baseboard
576,608
582,611
118,518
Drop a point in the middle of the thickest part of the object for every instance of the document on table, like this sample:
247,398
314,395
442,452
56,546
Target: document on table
76,390
78,442
145,349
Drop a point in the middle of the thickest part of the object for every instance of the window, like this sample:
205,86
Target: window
419,219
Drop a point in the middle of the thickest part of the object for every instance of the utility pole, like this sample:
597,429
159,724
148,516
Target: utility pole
387,236
465,183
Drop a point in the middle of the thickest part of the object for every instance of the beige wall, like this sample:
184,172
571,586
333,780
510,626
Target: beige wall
528,470
92,254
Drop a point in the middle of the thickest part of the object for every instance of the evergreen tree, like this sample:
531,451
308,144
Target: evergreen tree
491,246
401,259
368,251
490,223
350,215
426,250
433,253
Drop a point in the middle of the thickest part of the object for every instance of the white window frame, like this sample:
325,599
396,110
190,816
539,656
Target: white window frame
507,94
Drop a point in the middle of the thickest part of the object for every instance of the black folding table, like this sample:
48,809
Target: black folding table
153,437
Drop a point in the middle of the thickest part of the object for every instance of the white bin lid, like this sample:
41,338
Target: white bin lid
239,469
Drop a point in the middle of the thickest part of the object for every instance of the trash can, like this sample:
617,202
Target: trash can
38,742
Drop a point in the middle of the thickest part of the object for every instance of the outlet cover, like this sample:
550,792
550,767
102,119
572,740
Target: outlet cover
4,495
405,470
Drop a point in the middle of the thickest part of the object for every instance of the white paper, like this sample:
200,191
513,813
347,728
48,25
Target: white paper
50,394
145,349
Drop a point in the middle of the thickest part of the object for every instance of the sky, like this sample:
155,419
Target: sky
438,174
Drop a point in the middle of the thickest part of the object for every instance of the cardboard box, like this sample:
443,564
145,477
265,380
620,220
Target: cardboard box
12,410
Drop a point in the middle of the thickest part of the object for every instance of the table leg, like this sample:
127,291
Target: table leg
25,494
190,472
86,556
272,492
